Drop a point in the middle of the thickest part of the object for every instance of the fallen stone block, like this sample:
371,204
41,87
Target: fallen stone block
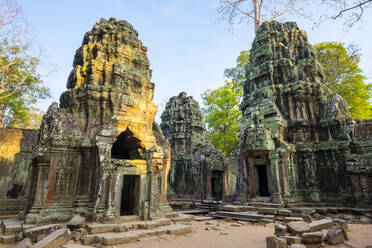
298,227
342,223
11,226
304,211
8,239
312,238
280,230
55,239
25,243
76,222
320,224
297,246
292,239
272,211
290,219
35,232
275,242
336,235
284,212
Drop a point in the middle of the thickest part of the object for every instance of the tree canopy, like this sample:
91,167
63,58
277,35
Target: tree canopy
344,76
222,113
258,11
21,86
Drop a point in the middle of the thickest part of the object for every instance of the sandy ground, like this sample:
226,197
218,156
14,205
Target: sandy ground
246,236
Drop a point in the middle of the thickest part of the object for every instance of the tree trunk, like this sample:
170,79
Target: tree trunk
257,15
2,113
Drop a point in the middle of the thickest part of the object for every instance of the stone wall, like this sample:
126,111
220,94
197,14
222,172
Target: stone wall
97,154
296,134
198,169
15,156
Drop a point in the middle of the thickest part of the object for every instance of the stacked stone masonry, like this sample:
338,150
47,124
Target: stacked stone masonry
298,142
97,154
198,169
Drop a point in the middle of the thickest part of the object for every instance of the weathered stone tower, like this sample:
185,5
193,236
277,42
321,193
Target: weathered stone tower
297,138
197,167
97,153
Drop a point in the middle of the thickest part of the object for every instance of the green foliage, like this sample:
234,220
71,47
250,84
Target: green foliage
344,77
21,85
32,119
221,110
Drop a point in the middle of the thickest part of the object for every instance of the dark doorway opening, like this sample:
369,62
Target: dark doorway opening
130,195
262,180
127,146
217,184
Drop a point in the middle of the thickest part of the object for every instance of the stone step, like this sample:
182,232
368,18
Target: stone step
193,211
107,228
265,204
254,217
237,208
183,218
7,239
134,235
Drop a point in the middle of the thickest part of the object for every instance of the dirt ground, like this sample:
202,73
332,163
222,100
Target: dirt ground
245,236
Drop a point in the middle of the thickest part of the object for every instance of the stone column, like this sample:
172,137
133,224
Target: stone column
208,184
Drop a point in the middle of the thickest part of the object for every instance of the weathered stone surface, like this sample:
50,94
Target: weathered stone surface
298,246
298,142
312,237
298,227
15,157
34,232
275,242
25,243
99,153
76,222
197,167
336,235
55,239
11,226
280,230
320,224
292,239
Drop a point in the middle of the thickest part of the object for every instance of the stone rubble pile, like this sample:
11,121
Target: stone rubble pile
315,234
77,232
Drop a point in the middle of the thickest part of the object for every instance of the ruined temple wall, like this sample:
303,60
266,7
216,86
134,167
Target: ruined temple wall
359,161
198,169
15,156
293,125
100,141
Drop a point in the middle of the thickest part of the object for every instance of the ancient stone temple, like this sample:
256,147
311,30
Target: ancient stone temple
298,142
99,153
198,169
15,157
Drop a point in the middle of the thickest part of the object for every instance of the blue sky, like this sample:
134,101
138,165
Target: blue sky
188,47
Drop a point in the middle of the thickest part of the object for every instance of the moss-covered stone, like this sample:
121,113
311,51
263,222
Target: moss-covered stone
197,167
296,134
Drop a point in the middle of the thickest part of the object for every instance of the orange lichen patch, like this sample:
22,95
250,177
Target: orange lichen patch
10,143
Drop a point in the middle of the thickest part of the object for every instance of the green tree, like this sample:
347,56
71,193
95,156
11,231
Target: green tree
344,77
222,113
20,86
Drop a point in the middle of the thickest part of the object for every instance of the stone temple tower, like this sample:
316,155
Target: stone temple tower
100,153
298,142
198,169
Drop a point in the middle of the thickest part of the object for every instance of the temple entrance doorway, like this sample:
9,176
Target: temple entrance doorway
217,184
262,180
130,195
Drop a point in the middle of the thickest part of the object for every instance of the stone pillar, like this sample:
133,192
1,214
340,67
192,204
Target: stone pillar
207,184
